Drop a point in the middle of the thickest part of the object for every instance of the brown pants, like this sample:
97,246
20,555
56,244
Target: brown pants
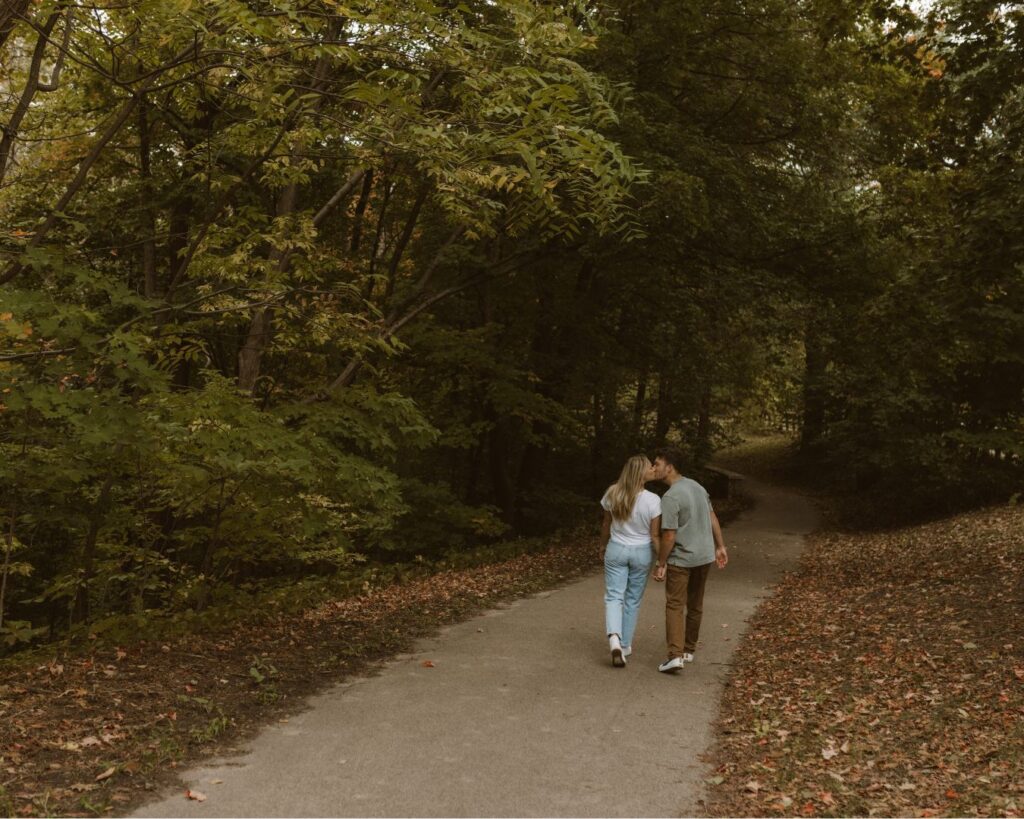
684,591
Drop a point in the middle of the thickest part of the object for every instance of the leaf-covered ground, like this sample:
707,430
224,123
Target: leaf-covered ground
95,732
885,677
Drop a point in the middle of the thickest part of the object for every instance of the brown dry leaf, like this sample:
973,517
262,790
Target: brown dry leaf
196,796
427,664
873,634
90,742
109,772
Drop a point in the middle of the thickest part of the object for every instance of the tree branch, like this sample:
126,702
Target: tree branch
501,268
16,267
32,85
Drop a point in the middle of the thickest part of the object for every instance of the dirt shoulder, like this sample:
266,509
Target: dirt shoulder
96,732
884,677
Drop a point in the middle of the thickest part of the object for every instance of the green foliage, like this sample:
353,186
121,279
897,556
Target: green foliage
289,290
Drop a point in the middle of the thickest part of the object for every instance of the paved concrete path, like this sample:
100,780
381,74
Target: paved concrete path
522,713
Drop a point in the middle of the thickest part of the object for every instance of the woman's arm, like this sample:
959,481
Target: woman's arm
655,532
606,528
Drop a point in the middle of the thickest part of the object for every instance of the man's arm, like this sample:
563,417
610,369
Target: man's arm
721,555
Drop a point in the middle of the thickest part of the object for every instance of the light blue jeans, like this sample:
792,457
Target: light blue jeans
626,569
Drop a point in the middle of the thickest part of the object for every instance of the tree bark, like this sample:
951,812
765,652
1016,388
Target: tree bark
10,12
99,512
662,420
32,86
702,446
639,405
250,357
8,551
815,363
15,268
147,206
357,222
403,240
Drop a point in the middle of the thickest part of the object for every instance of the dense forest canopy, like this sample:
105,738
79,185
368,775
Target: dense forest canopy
288,285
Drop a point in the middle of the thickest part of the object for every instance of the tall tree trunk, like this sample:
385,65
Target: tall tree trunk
8,551
702,446
662,421
206,568
99,513
147,206
357,219
499,452
639,406
814,394
250,357
32,86
550,352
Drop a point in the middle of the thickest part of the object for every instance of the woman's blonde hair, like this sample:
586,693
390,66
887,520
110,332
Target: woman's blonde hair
623,493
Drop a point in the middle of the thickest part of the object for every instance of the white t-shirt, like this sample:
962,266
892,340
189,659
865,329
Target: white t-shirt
637,530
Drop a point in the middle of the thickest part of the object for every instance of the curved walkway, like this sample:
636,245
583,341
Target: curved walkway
520,713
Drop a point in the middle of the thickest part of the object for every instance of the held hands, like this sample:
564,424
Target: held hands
659,573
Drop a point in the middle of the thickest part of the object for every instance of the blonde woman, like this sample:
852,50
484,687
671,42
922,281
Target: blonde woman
631,526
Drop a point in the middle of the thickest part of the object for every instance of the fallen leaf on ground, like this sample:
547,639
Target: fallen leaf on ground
427,664
109,772
196,796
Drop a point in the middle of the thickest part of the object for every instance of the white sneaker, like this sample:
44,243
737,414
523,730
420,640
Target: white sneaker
627,650
618,658
673,664
687,657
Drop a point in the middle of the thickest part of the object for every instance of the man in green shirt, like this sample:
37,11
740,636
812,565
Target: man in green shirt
691,540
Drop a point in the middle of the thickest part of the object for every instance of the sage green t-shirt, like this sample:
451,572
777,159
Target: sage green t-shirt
686,507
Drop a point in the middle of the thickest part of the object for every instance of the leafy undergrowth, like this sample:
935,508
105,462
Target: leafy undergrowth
885,677
96,732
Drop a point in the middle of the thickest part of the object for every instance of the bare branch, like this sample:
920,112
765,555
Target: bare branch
16,267
10,12
502,268
62,51
32,85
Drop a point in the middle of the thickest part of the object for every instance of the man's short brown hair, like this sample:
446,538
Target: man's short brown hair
673,457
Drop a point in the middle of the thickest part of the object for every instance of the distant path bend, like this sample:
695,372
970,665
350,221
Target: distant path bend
521,713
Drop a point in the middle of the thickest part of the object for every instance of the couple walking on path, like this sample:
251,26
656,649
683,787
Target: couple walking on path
679,530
